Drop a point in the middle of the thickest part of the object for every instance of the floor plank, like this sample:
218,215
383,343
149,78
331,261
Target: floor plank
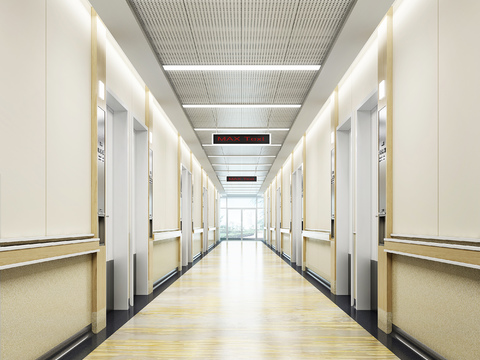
241,301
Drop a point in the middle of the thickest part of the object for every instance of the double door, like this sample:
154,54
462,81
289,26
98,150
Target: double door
241,224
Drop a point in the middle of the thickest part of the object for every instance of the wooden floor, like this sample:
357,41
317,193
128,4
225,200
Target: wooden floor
241,301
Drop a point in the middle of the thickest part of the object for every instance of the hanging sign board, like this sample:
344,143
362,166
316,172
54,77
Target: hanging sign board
241,139
241,178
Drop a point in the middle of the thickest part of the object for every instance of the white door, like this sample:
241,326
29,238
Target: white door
344,201
278,215
297,216
140,206
205,220
186,215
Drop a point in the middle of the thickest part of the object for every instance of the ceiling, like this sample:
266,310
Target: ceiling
241,32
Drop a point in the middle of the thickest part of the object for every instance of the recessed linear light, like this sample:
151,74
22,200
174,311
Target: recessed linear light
241,129
241,165
238,156
241,144
241,106
241,67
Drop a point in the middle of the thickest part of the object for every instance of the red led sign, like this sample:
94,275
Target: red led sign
241,178
241,139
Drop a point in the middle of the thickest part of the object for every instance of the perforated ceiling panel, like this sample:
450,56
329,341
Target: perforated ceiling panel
241,32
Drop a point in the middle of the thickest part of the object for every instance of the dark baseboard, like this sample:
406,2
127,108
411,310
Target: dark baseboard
62,349
420,348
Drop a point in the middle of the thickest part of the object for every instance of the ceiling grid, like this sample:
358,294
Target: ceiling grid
241,32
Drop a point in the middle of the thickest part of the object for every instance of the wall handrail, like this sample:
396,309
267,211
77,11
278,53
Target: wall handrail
434,244
43,239
317,235
29,254
437,238
166,235
165,230
198,230
285,231
319,230
213,228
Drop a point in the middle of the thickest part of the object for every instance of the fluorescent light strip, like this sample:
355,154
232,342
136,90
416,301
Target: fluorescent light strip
241,165
241,129
241,67
240,106
242,145
238,156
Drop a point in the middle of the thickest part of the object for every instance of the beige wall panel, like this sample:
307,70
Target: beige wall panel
365,74
459,131
118,74
68,118
318,257
165,257
298,155
211,204
286,204
286,246
165,188
123,81
197,194
196,243
438,305
22,118
138,99
318,175
415,114
344,101
185,158
43,305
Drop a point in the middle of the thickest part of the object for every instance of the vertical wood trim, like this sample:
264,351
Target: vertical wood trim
333,248
98,72
149,124
385,73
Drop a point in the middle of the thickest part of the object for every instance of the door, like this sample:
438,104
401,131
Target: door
344,204
234,227
205,220
249,224
119,255
140,207
297,216
186,215
278,221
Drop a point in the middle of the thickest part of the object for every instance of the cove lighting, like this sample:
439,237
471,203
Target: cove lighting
241,129
241,67
242,106
381,90
101,90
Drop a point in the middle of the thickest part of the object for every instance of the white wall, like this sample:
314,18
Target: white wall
165,171
22,119
459,128
317,174
68,127
415,117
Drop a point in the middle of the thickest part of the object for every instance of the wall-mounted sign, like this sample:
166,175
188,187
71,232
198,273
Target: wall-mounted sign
241,139
241,178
